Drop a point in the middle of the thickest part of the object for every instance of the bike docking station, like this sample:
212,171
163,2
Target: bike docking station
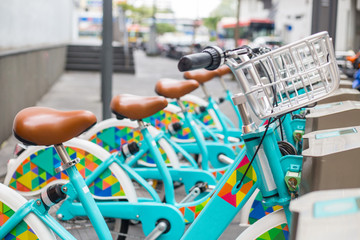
331,214
331,159
347,84
328,206
342,94
328,116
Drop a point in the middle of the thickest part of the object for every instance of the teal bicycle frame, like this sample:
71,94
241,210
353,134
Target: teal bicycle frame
78,186
148,211
210,150
228,127
266,173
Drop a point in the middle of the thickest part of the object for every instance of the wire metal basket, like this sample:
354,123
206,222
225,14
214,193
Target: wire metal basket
289,77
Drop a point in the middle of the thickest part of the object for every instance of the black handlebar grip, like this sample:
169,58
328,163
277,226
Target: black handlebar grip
210,58
194,61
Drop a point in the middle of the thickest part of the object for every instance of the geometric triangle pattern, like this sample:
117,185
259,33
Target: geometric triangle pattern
233,183
204,117
112,138
35,172
259,210
280,232
237,148
22,231
218,174
190,213
162,119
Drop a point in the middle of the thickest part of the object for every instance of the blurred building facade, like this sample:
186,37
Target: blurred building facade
33,40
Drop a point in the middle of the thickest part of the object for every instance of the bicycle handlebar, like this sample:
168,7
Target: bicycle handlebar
194,61
210,58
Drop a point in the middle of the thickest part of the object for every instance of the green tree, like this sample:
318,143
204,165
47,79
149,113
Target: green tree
137,14
162,28
226,8
211,22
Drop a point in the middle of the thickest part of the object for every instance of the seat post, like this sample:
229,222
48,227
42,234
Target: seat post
223,84
205,90
181,105
64,156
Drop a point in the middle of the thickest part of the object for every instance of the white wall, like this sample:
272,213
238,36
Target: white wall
250,9
294,13
346,26
26,23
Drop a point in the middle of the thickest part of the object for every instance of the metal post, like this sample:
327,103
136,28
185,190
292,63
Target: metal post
106,59
123,31
237,25
152,47
324,16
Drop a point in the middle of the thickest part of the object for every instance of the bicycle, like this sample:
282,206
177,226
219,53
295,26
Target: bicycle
29,127
267,85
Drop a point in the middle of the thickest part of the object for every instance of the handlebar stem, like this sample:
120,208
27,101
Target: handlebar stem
249,125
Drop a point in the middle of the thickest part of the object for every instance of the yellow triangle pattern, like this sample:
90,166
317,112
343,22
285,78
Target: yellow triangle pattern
27,179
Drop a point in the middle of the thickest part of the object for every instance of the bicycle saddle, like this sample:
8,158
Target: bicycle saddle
171,88
47,126
223,70
136,107
201,76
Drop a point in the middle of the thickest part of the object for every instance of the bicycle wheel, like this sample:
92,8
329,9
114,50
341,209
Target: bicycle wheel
121,226
272,226
31,227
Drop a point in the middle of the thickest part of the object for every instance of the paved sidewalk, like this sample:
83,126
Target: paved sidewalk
81,90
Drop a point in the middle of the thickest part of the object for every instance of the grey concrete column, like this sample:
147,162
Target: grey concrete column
324,16
106,59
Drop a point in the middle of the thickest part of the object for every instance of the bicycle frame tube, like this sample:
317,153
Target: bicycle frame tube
32,206
213,105
177,149
199,139
134,175
205,130
154,151
89,204
273,189
288,129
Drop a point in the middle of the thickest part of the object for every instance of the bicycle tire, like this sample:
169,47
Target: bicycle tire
10,202
259,229
121,226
